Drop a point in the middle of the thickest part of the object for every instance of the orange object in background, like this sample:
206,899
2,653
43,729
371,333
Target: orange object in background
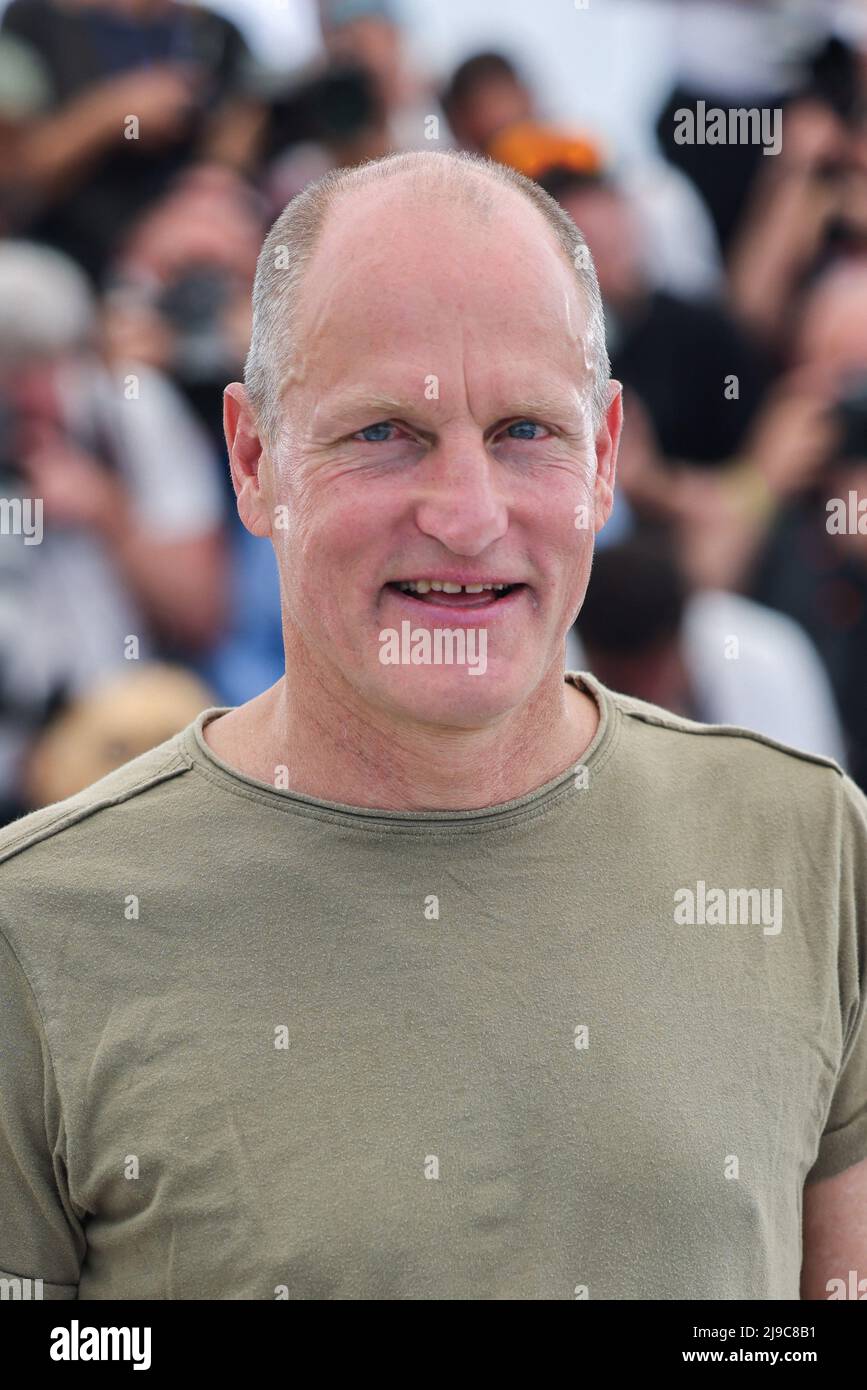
532,147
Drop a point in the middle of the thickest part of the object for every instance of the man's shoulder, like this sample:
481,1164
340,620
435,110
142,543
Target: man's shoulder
729,742
133,779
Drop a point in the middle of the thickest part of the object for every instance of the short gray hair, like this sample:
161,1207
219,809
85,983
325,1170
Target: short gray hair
290,244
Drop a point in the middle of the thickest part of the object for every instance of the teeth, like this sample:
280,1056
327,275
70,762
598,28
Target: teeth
443,586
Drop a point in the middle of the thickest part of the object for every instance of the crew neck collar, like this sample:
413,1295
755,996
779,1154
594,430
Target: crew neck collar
200,756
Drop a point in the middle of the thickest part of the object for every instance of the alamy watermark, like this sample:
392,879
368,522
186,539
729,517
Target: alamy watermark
846,518
720,907
737,125
77,1343
442,646
15,1287
850,1288
22,516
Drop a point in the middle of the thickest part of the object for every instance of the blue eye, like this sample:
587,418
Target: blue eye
523,425
371,433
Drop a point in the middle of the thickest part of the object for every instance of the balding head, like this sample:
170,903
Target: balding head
485,192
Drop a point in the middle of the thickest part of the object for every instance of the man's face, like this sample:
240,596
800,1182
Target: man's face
436,427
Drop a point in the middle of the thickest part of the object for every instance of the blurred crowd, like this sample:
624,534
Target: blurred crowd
144,151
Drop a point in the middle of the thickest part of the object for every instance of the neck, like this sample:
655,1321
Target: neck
337,748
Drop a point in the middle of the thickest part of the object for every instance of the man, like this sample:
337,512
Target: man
384,984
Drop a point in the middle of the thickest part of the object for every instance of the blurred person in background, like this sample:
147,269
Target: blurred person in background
179,300
814,565
727,518
132,544
486,95
674,352
105,726
365,100
807,207
136,91
759,523
492,110
779,218
712,656
24,90
178,292
330,119
370,33
753,53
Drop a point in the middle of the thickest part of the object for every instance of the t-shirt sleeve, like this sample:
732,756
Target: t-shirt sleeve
844,1139
41,1232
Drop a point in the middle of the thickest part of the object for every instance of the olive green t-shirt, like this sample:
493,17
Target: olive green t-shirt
587,1043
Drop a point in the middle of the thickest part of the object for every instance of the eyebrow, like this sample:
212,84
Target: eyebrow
330,415
378,406
351,402
555,403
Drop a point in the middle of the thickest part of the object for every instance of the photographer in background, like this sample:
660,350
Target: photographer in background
674,351
179,292
137,92
764,524
132,543
366,101
807,208
494,110
713,656
814,566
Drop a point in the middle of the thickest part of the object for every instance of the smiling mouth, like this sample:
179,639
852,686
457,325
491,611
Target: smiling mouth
447,595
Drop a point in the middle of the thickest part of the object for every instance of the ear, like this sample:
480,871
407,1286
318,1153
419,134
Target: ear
246,455
607,444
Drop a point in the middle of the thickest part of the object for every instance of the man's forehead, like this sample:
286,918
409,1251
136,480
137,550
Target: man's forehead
436,296
428,313
397,240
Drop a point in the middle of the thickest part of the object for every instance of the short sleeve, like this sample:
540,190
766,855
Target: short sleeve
844,1139
41,1234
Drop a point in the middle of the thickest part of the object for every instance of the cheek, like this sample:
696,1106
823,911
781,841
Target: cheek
332,541
567,510
309,514
575,537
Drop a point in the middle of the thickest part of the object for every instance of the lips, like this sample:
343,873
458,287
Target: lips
451,609
488,598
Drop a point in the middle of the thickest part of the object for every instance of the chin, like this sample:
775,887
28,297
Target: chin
451,695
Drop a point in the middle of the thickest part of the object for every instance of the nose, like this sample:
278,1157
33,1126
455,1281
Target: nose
461,502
